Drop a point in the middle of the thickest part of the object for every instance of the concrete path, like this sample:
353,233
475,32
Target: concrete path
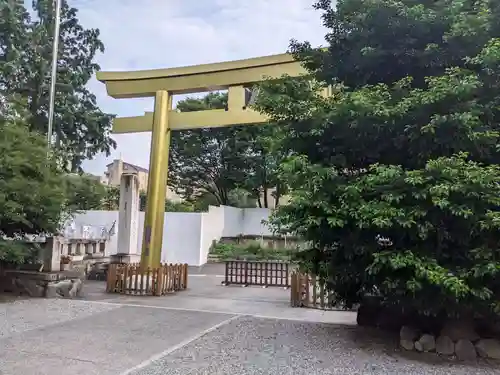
208,329
208,269
206,294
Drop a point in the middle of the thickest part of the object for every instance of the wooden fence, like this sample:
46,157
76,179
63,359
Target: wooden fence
309,291
263,273
134,280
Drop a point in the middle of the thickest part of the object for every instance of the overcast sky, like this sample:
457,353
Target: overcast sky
148,34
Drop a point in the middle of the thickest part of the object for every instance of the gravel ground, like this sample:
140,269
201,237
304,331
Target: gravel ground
250,346
30,314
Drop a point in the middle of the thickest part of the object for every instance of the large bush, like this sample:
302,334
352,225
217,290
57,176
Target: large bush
32,188
394,179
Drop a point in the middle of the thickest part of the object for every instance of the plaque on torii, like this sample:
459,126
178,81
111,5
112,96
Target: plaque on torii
235,76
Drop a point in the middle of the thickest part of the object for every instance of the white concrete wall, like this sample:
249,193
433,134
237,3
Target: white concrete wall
252,222
187,236
212,228
181,237
233,221
95,220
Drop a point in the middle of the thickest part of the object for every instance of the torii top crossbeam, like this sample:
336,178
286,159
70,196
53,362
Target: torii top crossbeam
199,78
231,75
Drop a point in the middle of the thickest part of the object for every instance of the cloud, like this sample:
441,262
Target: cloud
150,34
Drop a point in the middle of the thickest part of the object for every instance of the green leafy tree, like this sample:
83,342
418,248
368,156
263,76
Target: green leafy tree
111,200
202,202
32,194
210,160
263,160
238,197
13,38
171,206
224,162
84,193
82,129
422,39
395,179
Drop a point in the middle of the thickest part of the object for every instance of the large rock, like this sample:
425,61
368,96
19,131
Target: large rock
29,287
51,291
63,288
426,343
488,348
76,288
460,330
465,350
408,333
445,345
407,344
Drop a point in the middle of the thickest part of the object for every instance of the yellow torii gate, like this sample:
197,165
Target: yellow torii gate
162,84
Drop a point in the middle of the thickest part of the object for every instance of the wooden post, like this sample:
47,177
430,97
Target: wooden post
307,296
111,278
293,290
185,276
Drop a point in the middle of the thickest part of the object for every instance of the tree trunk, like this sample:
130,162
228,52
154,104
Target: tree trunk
266,203
277,200
224,198
259,202
218,192
277,196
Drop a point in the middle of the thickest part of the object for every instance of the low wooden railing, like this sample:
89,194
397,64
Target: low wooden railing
309,291
134,280
262,273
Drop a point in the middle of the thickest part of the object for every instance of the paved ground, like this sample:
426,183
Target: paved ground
208,269
209,329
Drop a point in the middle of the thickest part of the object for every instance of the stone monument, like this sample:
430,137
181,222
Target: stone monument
128,221
51,253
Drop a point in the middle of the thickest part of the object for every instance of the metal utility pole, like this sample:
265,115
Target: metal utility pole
53,76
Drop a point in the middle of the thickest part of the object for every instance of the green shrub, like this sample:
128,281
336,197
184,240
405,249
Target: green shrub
250,251
17,252
395,178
